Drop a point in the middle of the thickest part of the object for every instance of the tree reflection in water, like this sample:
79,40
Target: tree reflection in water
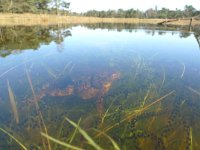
17,39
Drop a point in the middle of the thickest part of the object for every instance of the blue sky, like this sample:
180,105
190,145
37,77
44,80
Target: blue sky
84,5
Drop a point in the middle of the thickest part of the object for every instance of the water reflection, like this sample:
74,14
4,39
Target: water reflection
140,86
16,39
197,35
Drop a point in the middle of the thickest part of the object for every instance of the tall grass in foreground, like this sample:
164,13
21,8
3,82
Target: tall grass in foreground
60,142
75,132
85,135
13,103
115,145
40,117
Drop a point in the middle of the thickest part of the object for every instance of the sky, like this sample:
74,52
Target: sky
84,5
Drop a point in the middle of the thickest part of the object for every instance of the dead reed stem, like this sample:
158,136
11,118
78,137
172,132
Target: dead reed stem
13,103
164,77
193,90
191,139
183,72
40,120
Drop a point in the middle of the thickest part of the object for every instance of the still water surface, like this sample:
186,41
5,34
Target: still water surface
139,85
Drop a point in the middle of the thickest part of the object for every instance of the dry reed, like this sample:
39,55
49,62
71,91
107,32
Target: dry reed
13,103
8,19
145,98
40,119
164,77
50,71
193,90
183,72
191,140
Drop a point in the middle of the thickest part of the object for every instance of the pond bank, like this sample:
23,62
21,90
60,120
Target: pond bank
44,19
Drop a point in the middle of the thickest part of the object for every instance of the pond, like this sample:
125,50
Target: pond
100,86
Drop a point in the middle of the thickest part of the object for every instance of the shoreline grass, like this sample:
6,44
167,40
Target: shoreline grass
8,19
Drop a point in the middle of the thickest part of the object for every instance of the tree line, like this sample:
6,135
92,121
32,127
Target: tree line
62,7
34,6
188,11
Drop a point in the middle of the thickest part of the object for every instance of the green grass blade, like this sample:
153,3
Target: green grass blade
75,131
145,98
60,142
12,137
85,135
115,145
106,113
132,115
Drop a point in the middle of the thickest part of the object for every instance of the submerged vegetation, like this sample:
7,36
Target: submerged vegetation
113,99
12,137
13,103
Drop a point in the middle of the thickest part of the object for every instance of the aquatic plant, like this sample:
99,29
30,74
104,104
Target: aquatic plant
106,113
136,112
40,117
164,77
85,135
13,103
16,140
145,98
191,141
50,71
60,142
74,133
193,90
69,66
115,145
183,72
